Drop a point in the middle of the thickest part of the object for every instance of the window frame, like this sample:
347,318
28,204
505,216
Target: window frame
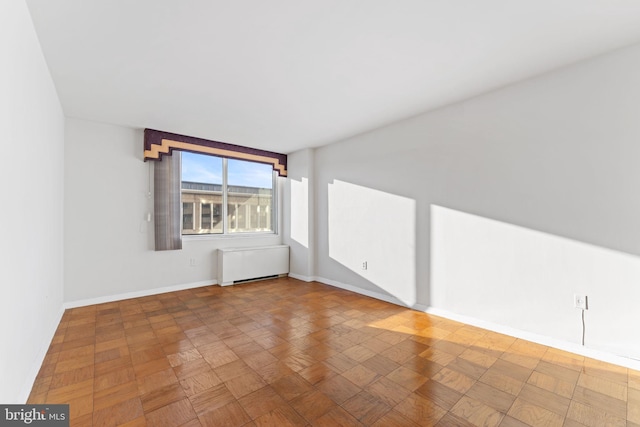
275,220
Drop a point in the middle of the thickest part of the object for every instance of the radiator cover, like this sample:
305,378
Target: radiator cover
239,264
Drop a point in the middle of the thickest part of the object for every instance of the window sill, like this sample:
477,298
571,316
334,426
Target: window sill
196,237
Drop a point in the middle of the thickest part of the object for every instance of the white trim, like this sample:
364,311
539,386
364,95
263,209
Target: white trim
23,396
303,278
529,336
274,203
495,327
137,294
366,292
225,199
234,235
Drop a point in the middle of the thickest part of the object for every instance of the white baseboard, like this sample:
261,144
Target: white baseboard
137,294
366,292
495,327
23,396
539,339
303,278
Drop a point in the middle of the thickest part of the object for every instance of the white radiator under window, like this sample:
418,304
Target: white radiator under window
240,264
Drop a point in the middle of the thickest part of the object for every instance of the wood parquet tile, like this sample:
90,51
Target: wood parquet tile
287,353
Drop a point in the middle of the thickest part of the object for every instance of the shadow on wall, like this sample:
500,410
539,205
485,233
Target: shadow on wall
373,234
526,279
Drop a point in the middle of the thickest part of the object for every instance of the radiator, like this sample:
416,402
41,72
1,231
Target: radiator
240,264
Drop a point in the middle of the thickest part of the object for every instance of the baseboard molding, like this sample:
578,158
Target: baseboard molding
536,338
137,294
23,396
303,278
366,292
495,327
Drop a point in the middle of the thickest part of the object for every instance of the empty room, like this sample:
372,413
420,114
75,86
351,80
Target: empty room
355,213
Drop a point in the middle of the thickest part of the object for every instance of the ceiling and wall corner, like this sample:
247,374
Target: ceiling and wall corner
287,75
524,197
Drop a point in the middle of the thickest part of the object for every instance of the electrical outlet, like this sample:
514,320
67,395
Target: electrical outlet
580,301
192,262
364,265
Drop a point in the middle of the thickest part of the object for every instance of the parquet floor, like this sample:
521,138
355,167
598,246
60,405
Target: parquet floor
284,352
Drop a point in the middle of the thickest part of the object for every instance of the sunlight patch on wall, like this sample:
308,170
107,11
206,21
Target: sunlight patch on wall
300,211
379,229
526,279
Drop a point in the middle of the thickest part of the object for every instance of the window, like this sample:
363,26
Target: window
205,208
187,216
226,196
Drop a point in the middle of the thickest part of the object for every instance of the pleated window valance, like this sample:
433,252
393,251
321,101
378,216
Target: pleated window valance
158,144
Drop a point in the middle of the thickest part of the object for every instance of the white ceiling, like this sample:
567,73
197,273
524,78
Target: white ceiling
288,74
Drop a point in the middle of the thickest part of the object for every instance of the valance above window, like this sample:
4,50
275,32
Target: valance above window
158,144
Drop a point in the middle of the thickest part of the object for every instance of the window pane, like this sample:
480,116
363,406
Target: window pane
201,194
216,218
205,222
187,217
250,196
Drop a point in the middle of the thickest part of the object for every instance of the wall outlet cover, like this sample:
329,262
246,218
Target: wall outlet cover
580,301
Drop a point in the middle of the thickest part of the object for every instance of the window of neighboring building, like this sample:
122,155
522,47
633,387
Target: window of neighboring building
187,216
205,208
247,205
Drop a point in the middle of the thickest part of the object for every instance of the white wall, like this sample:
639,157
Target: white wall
298,214
31,220
523,197
108,244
